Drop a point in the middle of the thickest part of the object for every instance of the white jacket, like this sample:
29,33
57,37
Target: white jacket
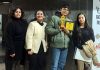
34,36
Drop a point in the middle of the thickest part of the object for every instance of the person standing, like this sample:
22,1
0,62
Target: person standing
60,37
81,34
36,44
15,39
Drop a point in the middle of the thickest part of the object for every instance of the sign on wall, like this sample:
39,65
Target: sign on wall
96,28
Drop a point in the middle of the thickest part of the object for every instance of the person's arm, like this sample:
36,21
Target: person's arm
29,36
10,38
76,38
69,33
92,35
51,29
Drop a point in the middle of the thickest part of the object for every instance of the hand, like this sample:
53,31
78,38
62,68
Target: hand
30,52
64,29
97,64
12,55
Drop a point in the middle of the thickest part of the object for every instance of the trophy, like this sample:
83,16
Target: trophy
62,23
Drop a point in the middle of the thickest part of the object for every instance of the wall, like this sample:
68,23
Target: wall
50,5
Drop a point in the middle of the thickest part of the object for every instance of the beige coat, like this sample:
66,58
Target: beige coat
34,36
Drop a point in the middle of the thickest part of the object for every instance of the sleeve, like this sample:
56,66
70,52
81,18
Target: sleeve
10,38
92,34
51,29
76,38
74,35
29,36
26,23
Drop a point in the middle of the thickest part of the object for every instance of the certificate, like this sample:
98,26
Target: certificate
69,25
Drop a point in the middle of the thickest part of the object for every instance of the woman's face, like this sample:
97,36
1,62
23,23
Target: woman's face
64,11
40,15
18,13
81,19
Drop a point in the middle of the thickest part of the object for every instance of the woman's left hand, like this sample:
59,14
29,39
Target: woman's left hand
97,64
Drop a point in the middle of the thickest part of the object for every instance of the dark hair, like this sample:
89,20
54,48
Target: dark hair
77,24
36,13
12,13
65,5
77,20
58,13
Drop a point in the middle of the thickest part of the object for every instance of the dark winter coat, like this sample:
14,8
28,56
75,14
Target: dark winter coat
15,37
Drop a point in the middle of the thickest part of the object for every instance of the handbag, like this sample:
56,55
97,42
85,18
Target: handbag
89,49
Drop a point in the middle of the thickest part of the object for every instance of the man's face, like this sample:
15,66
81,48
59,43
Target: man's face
64,11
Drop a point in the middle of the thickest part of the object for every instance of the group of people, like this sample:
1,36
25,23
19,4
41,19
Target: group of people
23,39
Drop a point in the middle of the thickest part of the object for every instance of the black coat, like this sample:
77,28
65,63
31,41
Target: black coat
15,37
81,35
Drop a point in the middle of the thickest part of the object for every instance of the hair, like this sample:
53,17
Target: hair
65,5
77,23
77,20
12,13
36,13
